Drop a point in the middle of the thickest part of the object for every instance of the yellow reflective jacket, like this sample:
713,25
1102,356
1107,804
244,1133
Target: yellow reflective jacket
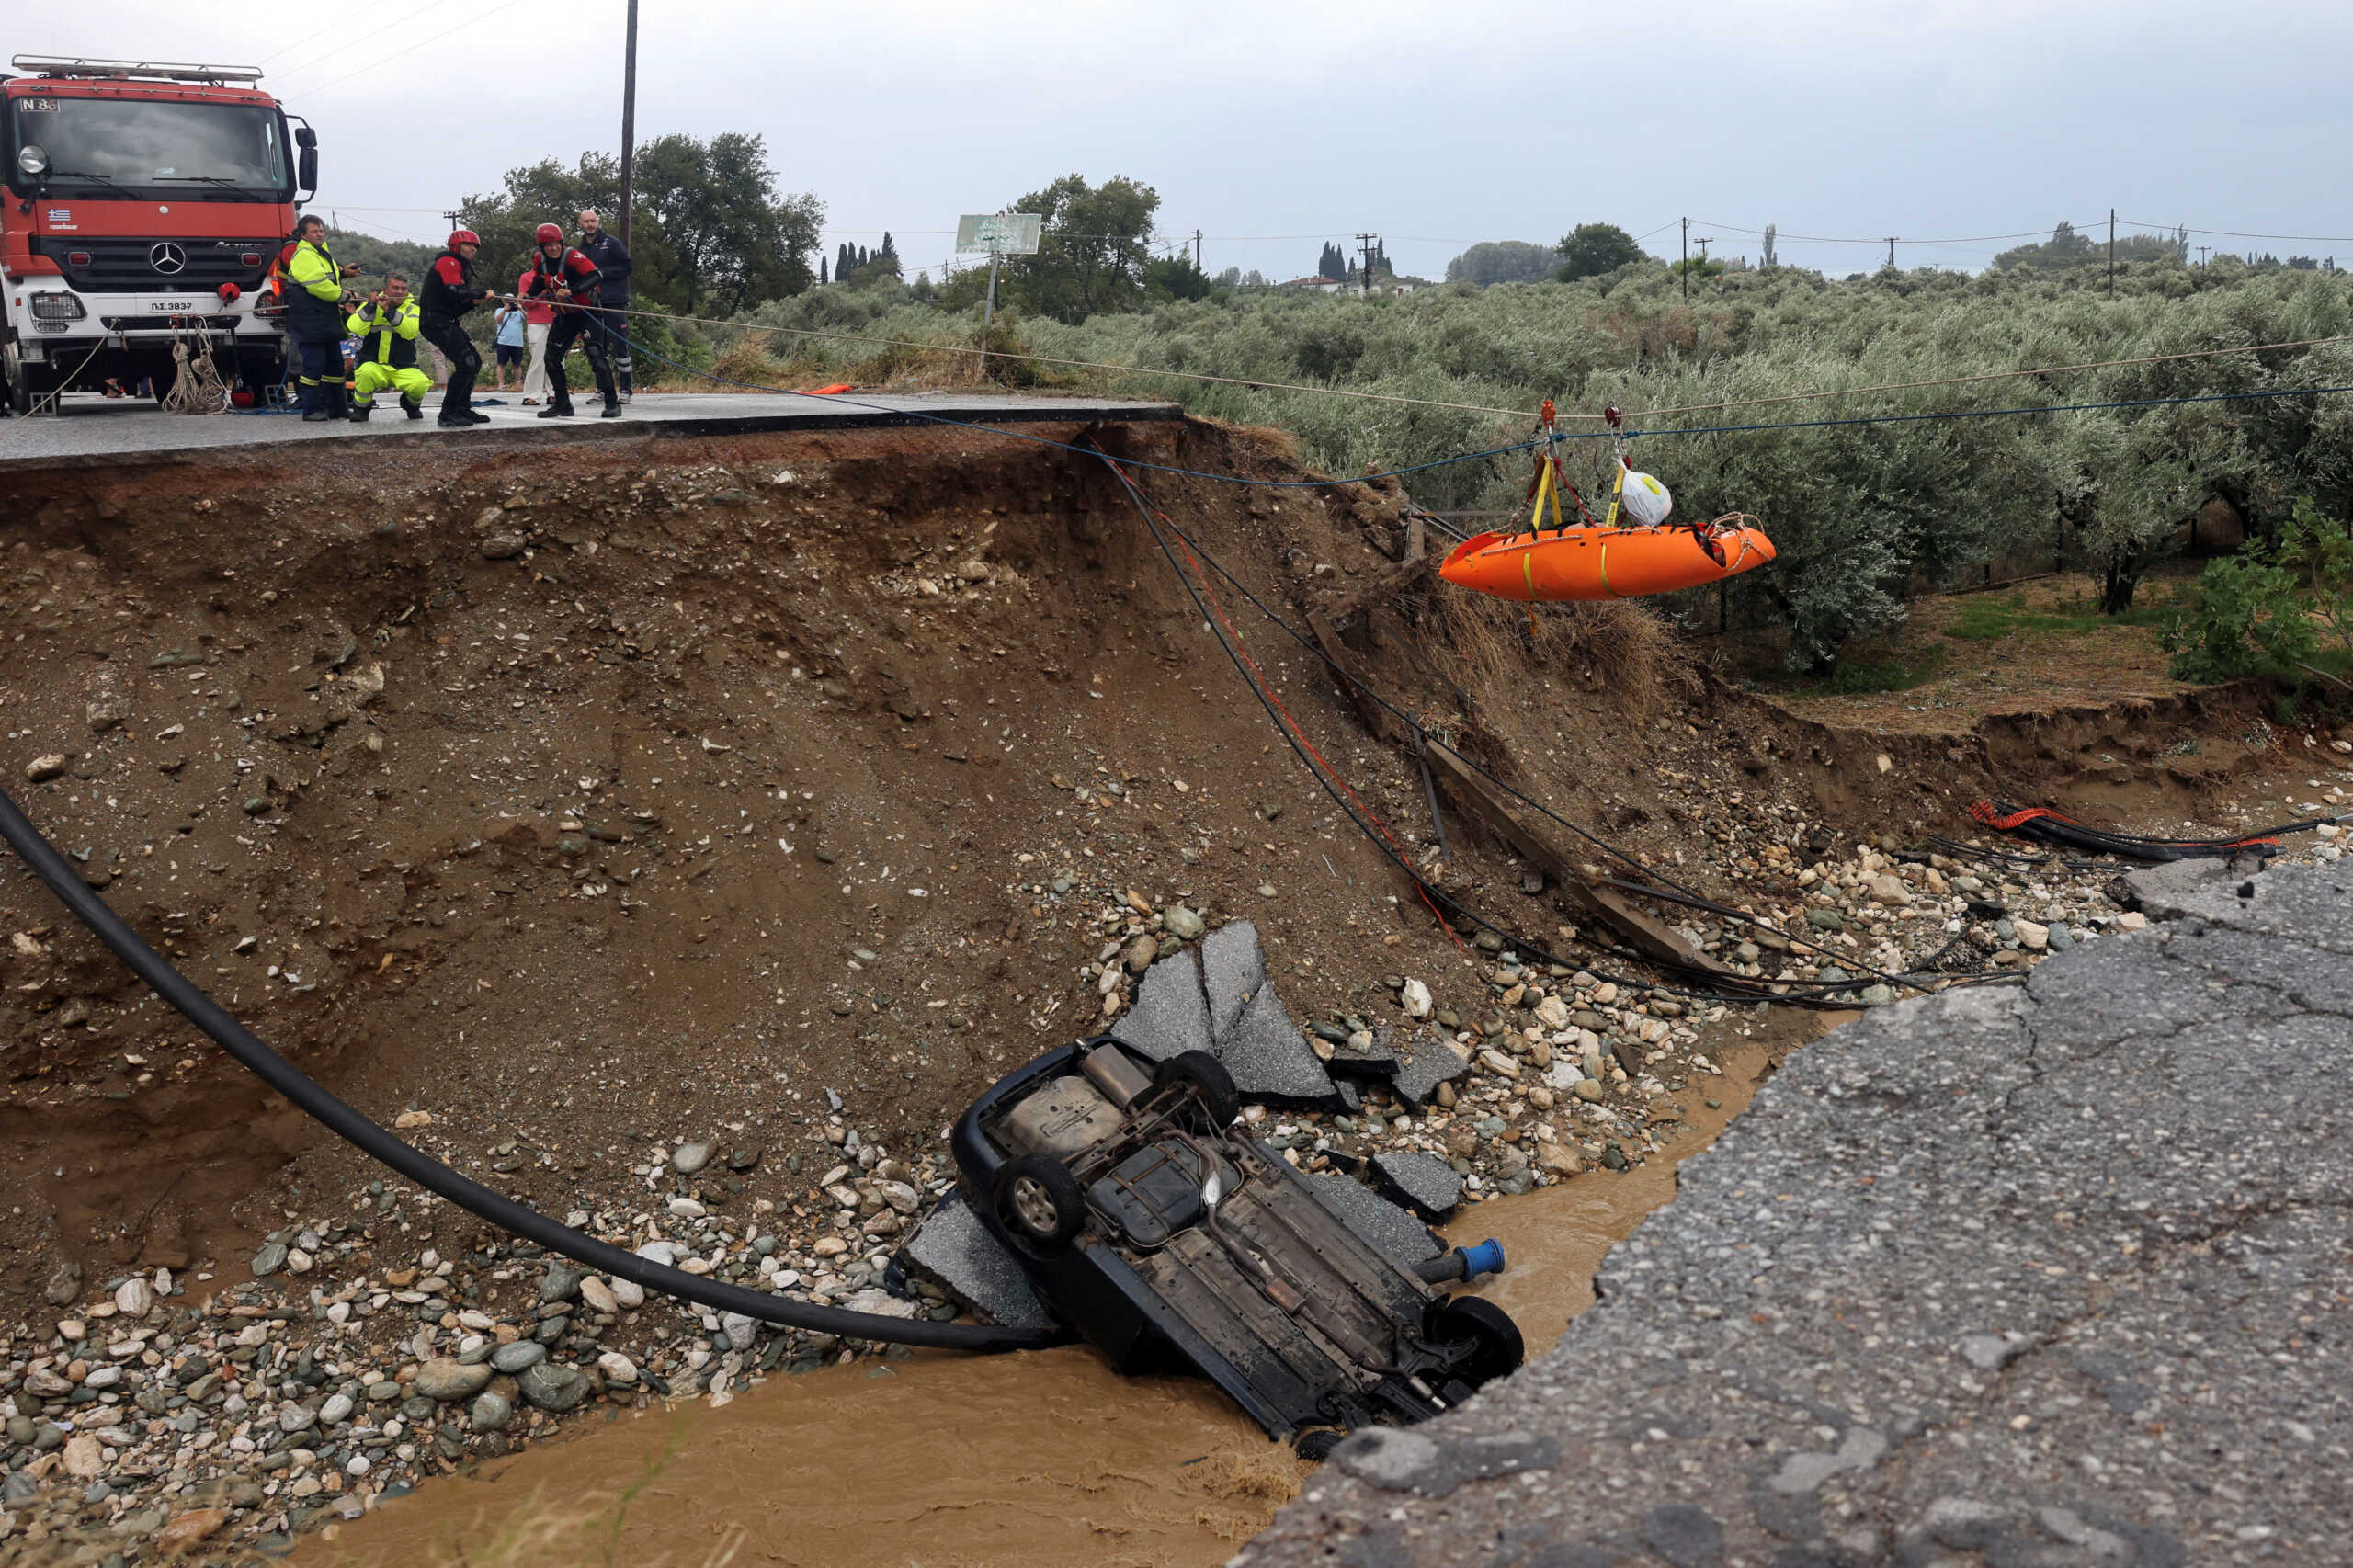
389,338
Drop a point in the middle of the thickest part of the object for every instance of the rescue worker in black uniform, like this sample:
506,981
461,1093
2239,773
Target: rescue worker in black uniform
448,294
604,247
563,276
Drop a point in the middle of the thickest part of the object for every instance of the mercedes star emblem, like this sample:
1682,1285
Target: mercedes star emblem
167,259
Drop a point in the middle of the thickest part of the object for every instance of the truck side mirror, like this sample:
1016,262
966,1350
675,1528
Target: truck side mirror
307,170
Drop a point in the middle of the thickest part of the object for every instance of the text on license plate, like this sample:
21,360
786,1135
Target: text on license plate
171,307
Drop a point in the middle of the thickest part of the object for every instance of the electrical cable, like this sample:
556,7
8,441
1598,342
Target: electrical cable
371,1138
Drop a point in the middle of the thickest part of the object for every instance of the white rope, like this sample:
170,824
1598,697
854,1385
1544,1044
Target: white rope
197,387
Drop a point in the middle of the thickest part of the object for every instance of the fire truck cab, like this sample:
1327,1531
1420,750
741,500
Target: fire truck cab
143,199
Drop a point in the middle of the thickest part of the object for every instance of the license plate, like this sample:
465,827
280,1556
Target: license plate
171,307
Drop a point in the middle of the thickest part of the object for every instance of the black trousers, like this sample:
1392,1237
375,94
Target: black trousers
585,328
449,335
613,325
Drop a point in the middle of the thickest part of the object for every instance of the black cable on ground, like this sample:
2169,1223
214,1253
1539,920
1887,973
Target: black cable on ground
427,1172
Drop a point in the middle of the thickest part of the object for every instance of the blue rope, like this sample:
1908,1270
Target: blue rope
1953,414
636,348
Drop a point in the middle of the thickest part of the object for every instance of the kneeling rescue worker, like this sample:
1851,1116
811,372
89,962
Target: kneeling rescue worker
569,279
449,293
386,326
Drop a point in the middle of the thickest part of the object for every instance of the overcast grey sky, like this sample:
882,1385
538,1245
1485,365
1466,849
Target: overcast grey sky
1433,124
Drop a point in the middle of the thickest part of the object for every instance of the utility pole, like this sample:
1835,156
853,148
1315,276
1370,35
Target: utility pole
629,123
1196,250
1890,253
2111,253
1687,261
2203,252
1364,263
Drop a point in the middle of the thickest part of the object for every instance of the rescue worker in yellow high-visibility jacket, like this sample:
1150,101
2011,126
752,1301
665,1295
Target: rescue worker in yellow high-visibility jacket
314,307
386,326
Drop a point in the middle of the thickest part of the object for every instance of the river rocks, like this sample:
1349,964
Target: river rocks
189,1530
42,770
84,1457
501,545
554,1386
1415,997
560,1283
490,1412
134,1298
627,1293
1557,1159
689,1158
445,1379
2033,938
617,1368
1179,921
336,1410
598,1295
1423,1183
64,1285
519,1357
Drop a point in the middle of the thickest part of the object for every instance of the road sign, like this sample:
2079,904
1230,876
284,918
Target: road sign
998,233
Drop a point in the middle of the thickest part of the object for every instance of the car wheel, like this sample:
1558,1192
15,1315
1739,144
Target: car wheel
1316,1445
1037,1199
1496,1346
1207,1077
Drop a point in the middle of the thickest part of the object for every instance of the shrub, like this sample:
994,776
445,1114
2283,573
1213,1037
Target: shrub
2272,607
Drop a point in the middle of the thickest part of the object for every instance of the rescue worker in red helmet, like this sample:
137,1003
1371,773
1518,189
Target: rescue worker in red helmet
569,279
448,294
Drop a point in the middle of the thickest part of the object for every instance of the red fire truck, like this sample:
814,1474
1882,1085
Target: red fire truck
143,199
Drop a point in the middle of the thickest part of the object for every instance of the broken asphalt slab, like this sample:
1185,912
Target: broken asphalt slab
1232,970
1170,1015
1270,1061
1423,1182
1404,1240
2053,1274
954,1250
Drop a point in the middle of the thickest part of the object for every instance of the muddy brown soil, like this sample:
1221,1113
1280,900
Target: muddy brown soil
1047,1459
557,795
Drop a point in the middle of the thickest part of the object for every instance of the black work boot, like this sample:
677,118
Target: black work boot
361,411
413,408
613,409
561,410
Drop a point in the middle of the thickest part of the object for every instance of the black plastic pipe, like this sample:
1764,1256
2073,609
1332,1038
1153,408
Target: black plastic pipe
430,1173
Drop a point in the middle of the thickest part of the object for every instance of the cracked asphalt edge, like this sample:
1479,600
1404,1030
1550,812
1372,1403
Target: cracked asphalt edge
2051,1274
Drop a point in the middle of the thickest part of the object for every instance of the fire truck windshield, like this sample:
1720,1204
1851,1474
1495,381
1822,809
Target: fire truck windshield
144,148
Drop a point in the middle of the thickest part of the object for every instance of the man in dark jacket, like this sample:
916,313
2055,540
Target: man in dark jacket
448,294
314,302
604,247
570,281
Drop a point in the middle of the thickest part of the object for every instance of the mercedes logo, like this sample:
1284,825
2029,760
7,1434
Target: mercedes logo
167,259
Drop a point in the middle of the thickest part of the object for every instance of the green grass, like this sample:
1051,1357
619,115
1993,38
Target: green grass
1859,677
1989,617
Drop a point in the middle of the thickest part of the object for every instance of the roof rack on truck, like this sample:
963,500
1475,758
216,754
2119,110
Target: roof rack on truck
147,70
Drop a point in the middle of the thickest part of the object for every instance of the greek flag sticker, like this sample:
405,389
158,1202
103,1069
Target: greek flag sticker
60,215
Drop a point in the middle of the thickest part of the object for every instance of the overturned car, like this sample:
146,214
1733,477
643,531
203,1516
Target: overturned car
1153,1225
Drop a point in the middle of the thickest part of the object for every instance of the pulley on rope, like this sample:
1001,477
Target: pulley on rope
1626,553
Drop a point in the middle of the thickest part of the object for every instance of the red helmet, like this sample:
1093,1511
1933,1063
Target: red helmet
550,234
463,237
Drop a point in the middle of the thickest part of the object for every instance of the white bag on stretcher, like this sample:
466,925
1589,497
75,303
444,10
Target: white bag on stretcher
1644,499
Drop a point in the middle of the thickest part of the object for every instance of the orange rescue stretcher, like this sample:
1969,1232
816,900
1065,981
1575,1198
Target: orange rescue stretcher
1602,560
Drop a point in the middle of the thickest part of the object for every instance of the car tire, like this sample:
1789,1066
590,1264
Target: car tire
1040,1202
1316,1445
1209,1079
1498,1348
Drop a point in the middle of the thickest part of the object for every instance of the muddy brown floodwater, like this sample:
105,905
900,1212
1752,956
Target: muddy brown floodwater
1044,1460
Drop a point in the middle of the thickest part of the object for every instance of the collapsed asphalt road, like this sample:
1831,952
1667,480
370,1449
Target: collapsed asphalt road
2056,1275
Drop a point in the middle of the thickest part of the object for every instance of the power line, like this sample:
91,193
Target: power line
411,49
2242,235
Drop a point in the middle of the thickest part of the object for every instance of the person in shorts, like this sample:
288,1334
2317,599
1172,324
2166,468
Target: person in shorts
512,352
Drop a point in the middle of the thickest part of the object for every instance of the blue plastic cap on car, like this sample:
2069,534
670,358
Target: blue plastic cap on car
1487,1258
